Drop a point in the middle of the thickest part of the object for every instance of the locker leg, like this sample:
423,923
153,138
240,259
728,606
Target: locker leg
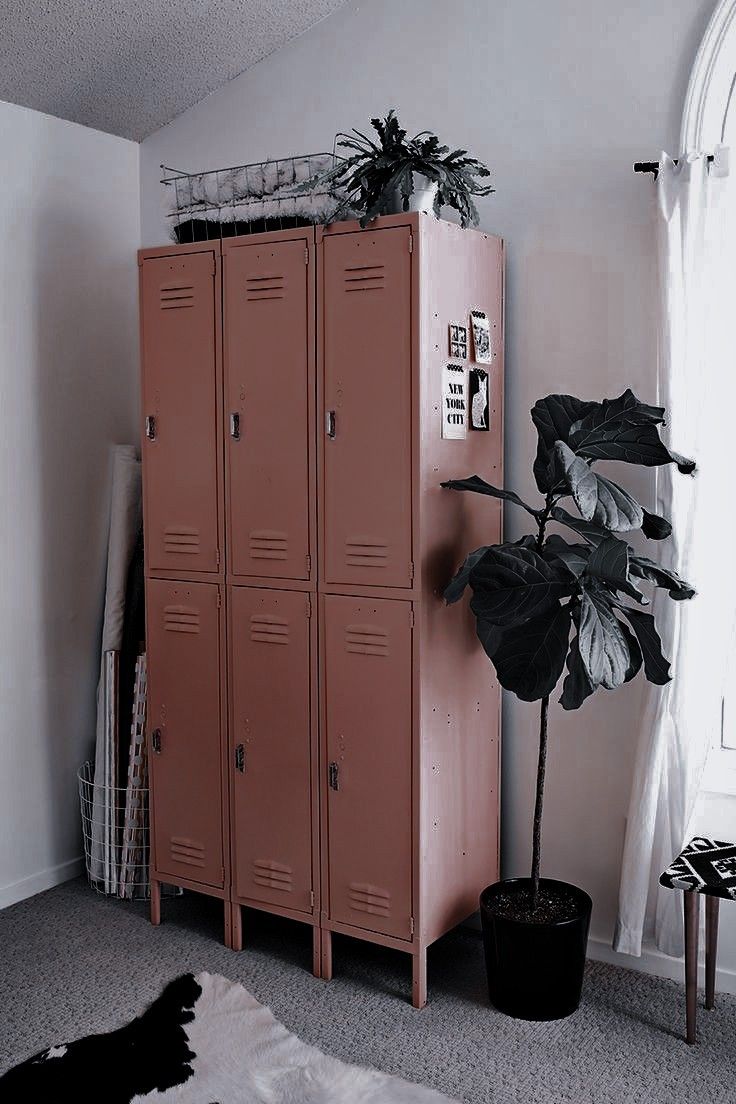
326,955
419,978
155,903
237,926
317,951
227,909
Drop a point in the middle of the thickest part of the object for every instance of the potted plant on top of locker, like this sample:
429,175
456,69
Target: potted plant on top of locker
528,596
394,173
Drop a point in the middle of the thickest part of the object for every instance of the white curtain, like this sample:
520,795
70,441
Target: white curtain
696,217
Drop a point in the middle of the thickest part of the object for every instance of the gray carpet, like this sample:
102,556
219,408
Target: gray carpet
72,963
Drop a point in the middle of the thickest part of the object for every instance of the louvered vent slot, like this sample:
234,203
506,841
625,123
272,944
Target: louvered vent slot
175,296
366,640
181,541
264,287
365,277
187,851
369,898
266,628
181,619
273,875
364,552
267,544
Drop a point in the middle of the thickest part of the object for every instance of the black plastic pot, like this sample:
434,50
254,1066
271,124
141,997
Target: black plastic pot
535,971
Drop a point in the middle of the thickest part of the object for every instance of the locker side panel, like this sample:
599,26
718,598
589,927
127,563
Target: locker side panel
460,699
179,298
367,407
185,730
367,774
271,703
269,372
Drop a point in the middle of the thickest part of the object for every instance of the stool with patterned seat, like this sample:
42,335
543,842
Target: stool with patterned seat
709,867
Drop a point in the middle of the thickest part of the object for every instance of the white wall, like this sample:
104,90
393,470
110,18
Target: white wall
559,99
69,225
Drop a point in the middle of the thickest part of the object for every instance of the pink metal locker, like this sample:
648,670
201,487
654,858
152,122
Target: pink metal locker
273,750
269,388
181,439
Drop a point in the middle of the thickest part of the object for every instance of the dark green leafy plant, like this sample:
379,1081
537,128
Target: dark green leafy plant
529,596
380,167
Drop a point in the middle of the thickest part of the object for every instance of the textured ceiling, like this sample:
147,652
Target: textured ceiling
129,66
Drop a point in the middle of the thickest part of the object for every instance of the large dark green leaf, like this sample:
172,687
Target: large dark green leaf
512,584
479,486
645,568
609,563
573,556
656,667
625,429
593,534
634,652
553,417
490,637
655,527
530,657
577,685
598,499
455,588
603,647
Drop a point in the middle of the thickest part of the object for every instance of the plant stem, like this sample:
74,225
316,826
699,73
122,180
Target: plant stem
537,832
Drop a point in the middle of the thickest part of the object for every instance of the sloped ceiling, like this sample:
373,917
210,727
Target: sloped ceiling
129,66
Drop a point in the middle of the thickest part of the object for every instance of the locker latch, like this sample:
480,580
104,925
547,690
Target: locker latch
240,758
150,427
235,426
330,424
156,740
334,772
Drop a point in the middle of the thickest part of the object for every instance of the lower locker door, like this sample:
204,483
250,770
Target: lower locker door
271,793
368,694
185,750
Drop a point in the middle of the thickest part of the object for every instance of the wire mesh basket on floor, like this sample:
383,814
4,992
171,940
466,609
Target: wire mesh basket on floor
116,832
281,194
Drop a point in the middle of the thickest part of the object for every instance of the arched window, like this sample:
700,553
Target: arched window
709,117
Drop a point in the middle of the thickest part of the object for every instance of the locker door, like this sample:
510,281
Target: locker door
183,642
270,679
180,411
269,374
367,399
368,709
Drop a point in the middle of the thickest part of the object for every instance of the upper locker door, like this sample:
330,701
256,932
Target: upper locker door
183,644
180,402
269,371
367,408
368,715
271,746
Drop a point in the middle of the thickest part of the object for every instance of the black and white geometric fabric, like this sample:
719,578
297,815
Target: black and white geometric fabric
206,1040
706,865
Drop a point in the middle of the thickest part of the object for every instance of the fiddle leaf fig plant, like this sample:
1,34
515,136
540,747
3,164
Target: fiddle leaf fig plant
548,605
381,165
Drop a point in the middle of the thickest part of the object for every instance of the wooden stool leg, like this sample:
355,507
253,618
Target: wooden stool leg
155,903
326,955
237,922
419,978
711,949
692,920
317,951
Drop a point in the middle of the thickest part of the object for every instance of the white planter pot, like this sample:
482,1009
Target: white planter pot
421,199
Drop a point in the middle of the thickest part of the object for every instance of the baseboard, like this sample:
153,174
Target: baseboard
653,961
37,883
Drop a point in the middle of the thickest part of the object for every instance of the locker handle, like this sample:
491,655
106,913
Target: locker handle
150,427
330,424
240,758
156,740
334,772
235,426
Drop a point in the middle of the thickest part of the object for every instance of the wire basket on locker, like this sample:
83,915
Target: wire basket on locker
279,194
116,835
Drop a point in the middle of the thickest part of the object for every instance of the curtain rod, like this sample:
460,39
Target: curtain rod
653,166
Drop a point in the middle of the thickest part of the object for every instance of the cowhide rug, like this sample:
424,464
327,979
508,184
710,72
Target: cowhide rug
206,1040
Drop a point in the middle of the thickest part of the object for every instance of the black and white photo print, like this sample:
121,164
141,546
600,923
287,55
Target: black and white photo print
481,336
458,341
